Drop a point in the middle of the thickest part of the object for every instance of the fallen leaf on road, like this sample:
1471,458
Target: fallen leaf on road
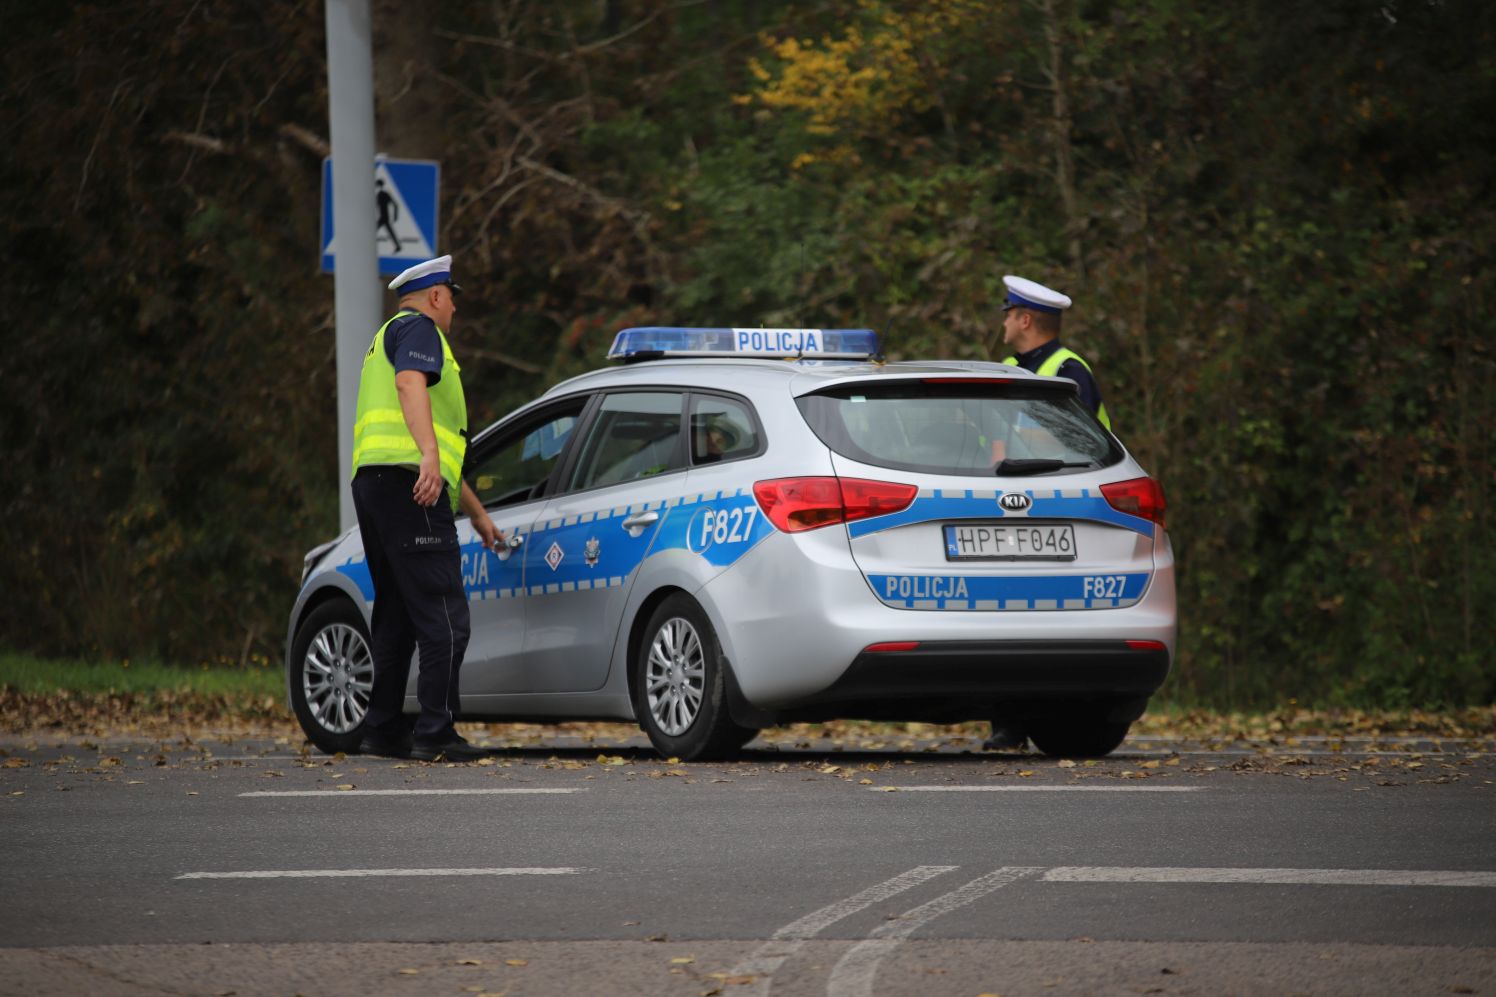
1066,763
612,760
16,763
408,972
682,960
516,962
1027,773
347,786
469,962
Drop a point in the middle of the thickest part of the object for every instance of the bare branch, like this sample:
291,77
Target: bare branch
306,137
505,359
199,141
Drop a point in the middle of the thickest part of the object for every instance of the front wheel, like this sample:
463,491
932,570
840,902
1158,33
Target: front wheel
680,685
331,674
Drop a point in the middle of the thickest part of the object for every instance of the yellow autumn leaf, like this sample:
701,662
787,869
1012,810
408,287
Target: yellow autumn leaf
516,962
1066,763
682,960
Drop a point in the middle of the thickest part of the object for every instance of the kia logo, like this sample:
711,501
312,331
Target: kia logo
1015,501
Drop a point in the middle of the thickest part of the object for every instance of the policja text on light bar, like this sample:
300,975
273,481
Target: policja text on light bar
650,342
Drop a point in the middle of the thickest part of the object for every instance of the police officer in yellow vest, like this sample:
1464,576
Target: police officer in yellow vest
1031,328
409,444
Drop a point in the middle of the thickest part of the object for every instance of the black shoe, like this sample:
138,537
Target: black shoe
453,749
1004,737
375,743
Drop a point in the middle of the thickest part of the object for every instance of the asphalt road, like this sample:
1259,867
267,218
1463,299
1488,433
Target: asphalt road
562,868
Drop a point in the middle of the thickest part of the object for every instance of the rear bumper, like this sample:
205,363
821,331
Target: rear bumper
954,681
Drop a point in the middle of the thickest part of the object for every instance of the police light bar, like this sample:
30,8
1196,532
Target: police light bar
655,342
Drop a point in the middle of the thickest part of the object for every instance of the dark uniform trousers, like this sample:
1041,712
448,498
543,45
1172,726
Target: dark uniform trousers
419,602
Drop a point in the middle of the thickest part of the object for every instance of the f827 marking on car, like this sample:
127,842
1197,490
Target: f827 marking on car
1103,586
722,526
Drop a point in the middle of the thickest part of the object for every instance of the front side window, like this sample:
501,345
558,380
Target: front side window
513,467
635,435
965,429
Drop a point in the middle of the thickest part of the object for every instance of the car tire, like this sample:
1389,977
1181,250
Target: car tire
1082,735
680,685
330,674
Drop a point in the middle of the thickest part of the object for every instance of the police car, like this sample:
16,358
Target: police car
738,528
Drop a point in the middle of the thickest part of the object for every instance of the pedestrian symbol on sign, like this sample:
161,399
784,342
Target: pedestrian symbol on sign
386,205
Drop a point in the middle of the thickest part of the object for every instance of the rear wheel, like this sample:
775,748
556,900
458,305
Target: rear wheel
680,685
1084,734
331,672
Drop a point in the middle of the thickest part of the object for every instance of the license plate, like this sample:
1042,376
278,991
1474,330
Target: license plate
1009,542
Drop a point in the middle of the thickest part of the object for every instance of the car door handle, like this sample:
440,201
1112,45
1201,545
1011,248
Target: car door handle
509,546
635,524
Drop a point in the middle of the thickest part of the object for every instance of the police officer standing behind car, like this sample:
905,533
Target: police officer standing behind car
409,444
1031,328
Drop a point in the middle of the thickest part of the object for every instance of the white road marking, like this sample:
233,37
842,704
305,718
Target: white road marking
1037,789
791,938
853,975
358,873
1277,877
532,791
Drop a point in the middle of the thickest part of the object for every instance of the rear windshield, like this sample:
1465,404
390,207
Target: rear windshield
965,429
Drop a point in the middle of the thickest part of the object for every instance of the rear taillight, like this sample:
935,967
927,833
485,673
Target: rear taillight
797,504
1137,497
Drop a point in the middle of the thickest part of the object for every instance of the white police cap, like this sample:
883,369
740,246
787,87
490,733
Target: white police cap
1025,293
423,275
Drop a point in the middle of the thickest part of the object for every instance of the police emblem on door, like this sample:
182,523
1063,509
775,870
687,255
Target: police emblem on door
1015,501
591,551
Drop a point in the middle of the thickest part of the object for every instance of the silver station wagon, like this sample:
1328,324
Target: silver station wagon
737,528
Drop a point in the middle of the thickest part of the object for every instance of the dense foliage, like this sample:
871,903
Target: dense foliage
1276,219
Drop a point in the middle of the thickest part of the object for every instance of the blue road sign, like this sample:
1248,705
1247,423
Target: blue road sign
405,208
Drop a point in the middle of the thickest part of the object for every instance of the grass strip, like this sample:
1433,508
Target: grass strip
39,676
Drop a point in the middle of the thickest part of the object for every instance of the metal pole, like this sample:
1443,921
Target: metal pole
357,296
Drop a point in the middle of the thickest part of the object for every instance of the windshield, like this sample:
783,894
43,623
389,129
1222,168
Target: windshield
959,428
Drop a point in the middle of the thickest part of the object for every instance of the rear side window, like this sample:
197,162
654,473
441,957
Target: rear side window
957,428
634,435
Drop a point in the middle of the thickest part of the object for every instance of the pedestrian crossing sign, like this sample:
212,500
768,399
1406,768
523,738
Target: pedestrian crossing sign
405,209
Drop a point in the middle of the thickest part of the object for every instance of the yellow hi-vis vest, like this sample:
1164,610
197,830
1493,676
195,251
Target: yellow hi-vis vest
1051,367
380,435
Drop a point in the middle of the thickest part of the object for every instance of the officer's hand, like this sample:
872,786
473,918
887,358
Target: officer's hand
492,536
429,481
